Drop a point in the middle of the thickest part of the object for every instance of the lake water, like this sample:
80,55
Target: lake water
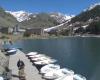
82,55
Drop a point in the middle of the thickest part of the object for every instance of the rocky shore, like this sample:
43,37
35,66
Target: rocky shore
4,61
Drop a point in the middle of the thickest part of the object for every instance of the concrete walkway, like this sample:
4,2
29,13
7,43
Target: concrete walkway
30,71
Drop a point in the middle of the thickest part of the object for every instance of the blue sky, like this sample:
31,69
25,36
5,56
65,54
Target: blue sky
63,6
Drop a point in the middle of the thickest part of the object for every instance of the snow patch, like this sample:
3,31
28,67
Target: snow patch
84,26
54,27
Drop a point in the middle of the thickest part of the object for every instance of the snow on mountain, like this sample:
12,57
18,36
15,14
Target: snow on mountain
92,7
67,17
61,17
54,27
20,15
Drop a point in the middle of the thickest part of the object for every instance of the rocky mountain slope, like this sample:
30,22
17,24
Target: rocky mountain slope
88,14
20,15
27,19
23,15
41,20
87,22
61,17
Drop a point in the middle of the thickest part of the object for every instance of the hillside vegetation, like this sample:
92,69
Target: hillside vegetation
41,20
87,22
6,19
86,15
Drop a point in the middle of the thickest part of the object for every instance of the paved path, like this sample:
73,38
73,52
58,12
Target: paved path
30,70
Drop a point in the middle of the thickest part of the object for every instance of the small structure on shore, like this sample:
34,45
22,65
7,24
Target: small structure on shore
35,31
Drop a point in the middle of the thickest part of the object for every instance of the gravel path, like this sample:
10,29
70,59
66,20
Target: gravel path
30,71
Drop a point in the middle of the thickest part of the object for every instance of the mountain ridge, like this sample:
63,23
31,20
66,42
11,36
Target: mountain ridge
92,6
23,15
87,22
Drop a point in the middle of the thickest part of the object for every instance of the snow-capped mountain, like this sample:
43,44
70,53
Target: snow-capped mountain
92,7
23,15
20,15
61,17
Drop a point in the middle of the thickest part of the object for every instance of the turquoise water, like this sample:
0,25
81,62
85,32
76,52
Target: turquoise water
79,54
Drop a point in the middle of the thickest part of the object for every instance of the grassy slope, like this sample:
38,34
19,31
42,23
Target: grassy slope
42,20
6,19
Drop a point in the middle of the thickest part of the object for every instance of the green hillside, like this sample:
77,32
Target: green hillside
41,20
89,14
89,18
6,19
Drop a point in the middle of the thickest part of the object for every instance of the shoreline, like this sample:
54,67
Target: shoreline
30,68
31,72
13,38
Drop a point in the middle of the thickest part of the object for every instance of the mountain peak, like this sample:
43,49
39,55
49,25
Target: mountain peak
20,15
23,15
92,6
61,17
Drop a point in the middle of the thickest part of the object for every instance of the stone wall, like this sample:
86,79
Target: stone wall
3,62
